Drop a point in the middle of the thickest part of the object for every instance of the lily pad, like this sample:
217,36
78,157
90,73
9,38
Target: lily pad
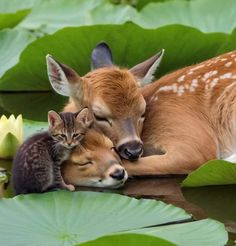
207,16
14,11
66,218
12,44
73,46
205,232
31,127
50,16
214,172
128,239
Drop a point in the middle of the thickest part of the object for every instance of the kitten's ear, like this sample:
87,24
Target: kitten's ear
84,117
64,80
53,118
145,70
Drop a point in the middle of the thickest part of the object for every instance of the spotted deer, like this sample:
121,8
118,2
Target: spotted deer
189,114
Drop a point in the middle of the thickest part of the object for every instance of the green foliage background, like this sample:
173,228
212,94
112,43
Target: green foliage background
190,32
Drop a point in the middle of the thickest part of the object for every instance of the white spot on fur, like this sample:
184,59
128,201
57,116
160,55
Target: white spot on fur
224,59
180,91
214,82
228,64
206,76
155,99
174,86
226,76
190,72
194,85
165,88
181,78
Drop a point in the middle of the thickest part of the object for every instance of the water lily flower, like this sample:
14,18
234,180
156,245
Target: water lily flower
11,135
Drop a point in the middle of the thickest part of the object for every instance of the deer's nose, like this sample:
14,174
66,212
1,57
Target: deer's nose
118,174
131,150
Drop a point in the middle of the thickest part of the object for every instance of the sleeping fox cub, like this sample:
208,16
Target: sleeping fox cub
94,163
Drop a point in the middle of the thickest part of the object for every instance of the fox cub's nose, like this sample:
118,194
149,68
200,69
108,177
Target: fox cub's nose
118,174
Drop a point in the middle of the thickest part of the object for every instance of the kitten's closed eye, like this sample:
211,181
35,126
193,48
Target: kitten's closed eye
78,136
61,136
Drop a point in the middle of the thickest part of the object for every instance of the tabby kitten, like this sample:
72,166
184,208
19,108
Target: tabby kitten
36,166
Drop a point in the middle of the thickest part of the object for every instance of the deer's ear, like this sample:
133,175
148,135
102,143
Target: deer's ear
61,76
145,70
101,56
53,118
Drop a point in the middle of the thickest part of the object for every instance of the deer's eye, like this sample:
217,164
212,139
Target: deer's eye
101,119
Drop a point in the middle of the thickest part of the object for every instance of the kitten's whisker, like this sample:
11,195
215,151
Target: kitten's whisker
81,147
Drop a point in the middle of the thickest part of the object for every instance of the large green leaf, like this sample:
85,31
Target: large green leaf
34,106
12,43
13,6
207,16
128,239
73,46
49,16
215,172
66,218
229,44
10,20
203,232
14,11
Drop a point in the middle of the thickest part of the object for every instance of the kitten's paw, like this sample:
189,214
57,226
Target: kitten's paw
70,187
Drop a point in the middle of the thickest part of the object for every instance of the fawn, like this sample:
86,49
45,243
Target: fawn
94,163
184,119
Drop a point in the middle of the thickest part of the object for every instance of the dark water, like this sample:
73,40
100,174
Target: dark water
217,202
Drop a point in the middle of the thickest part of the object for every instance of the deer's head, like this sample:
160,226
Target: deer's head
111,93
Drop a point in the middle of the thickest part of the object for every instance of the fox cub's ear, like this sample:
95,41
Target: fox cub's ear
84,117
53,118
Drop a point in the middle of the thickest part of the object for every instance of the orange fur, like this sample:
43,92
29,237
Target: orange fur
193,127
103,162
190,113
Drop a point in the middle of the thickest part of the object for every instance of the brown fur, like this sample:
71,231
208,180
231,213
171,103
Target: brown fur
118,91
99,150
187,127
194,127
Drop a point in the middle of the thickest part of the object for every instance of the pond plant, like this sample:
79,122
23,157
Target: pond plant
189,31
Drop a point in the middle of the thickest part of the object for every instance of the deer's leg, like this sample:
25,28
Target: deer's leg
178,159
